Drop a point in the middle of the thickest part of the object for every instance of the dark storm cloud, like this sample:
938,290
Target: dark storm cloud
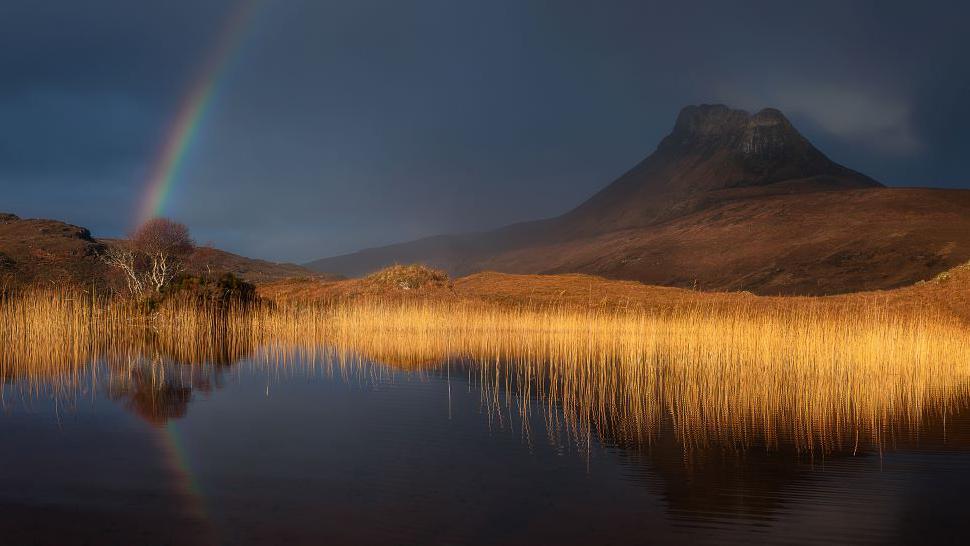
85,90
352,123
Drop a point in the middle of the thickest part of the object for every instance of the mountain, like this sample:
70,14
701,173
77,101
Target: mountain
49,251
712,154
729,200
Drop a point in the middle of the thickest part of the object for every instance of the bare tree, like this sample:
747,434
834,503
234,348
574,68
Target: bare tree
153,255
165,244
124,258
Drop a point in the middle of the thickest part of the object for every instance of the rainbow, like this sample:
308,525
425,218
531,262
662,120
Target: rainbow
177,460
192,111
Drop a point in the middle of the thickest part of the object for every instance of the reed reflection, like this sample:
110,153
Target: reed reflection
812,380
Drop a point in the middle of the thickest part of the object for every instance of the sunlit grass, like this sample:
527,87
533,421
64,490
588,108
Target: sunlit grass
810,375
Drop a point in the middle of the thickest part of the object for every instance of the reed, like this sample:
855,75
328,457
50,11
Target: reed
810,374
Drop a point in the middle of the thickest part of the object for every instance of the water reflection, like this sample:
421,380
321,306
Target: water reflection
158,390
637,406
711,464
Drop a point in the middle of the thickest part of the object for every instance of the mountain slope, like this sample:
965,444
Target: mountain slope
810,243
729,200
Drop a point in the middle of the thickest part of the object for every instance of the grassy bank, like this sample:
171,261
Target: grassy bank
948,293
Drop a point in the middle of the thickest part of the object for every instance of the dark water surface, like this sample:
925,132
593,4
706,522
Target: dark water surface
315,453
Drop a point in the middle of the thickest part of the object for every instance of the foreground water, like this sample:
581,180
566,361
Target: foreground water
325,450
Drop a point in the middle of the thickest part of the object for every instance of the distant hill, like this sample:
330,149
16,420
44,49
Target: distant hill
728,200
50,251
251,269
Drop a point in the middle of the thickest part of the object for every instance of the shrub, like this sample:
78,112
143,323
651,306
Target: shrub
225,290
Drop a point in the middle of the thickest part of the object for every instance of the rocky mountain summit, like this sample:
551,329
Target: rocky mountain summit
765,147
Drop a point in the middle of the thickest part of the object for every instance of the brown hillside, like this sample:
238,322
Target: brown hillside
44,251
206,258
816,243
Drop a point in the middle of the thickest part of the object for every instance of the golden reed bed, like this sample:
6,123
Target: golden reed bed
809,375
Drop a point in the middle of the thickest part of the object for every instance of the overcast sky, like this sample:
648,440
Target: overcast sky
344,124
